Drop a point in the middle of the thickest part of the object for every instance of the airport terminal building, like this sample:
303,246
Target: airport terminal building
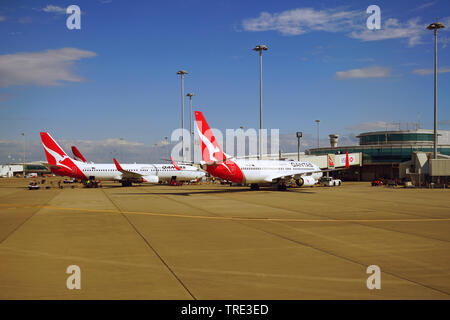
21,169
388,154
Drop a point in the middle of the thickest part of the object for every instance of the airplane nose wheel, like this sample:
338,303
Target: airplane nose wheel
254,186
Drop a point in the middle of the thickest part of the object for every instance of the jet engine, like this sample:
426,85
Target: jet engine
305,181
150,179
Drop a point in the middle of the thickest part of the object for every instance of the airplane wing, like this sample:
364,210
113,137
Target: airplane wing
275,177
51,166
134,176
125,173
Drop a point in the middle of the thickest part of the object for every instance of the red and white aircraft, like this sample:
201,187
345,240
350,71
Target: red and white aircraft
253,172
61,164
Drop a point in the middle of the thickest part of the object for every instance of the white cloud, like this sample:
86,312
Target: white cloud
2,18
93,144
446,22
373,126
100,151
424,6
103,151
444,40
302,20
369,72
54,9
412,30
424,72
289,143
47,68
163,142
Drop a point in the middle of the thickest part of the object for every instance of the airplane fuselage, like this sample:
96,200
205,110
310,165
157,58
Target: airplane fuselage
109,172
261,171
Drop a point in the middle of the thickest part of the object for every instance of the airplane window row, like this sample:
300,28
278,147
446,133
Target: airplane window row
266,168
132,170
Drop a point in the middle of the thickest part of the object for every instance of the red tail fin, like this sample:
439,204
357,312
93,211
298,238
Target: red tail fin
77,154
63,164
53,151
347,163
211,151
118,166
175,164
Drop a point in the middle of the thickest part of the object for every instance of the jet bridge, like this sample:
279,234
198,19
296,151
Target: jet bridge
328,161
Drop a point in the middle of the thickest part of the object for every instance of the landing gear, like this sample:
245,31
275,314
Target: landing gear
254,186
126,184
89,184
281,187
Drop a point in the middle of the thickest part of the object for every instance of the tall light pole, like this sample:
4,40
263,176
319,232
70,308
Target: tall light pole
435,26
318,133
260,48
24,148
299,135
182,73
191,133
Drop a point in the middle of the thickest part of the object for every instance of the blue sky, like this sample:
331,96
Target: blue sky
116,77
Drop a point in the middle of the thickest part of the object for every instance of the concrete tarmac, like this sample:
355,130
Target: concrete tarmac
222,242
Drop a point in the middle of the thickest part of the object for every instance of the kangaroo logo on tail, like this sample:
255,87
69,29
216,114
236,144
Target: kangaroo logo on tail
217,162
209,142
57,157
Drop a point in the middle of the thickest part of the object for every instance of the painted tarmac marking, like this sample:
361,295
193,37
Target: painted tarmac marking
151,247
235,218
27,219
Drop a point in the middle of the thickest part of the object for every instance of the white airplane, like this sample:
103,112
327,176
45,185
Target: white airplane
61,164
253,172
